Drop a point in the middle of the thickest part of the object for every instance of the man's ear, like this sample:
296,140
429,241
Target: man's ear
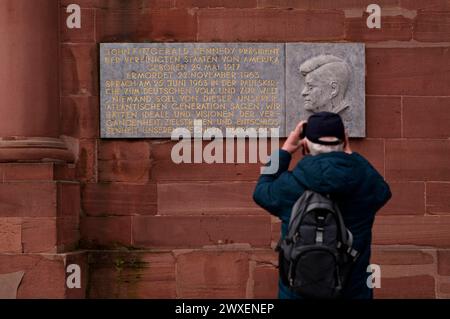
334,89
305,148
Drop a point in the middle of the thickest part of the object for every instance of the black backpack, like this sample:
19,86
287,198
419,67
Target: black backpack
316,256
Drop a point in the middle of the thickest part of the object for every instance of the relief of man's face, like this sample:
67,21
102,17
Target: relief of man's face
318,92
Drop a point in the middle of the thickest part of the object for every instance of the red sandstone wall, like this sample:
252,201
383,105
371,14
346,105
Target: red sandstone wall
212,241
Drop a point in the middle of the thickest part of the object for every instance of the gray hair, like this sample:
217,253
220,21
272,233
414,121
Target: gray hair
316,149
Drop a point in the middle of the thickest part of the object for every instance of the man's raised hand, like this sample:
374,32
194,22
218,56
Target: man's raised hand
293,141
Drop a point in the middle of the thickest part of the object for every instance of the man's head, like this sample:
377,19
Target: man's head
326,82
325,133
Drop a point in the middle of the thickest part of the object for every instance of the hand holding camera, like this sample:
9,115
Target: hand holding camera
295,139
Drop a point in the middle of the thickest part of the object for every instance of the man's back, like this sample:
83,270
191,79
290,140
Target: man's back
352,182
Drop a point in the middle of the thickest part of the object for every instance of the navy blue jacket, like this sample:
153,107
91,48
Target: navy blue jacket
358,188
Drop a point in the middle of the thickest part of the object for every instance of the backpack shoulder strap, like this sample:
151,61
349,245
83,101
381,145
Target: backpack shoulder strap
298,209
346,235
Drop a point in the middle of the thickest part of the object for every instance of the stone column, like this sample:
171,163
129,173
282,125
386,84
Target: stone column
29,82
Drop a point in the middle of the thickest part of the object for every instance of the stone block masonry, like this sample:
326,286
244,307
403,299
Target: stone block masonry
133,195
125,186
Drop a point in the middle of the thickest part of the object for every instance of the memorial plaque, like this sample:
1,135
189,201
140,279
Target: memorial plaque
326,77
150,89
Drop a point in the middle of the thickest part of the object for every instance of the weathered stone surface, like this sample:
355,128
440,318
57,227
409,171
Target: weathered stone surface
120,161
10,234
412,230
320,64
438,198
401,256
132,275
430,160
39,235
229,25
9,283
390,71
444,262
208,198
411,287
384,118
44,274
119,199
430,112
176,231
28,199
265,282
12,172
109,231
208,274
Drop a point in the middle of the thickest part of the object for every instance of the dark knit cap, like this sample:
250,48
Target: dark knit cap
325,124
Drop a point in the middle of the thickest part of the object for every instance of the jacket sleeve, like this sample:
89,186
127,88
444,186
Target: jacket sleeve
268,192
383,192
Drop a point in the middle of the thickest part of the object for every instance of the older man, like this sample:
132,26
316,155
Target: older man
358,189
